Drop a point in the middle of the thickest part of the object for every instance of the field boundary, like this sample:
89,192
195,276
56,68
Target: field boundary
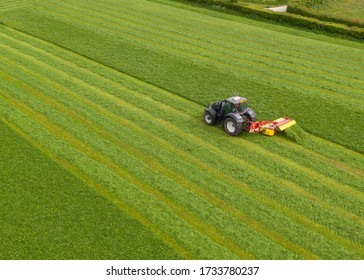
298,20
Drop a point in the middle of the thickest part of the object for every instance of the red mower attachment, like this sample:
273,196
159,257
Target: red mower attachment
271,127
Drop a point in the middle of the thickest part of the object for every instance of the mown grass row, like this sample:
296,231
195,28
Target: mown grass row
49,214
89,116
175,74
163,26
14,4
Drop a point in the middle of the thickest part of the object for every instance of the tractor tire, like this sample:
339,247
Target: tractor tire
232,127
209,119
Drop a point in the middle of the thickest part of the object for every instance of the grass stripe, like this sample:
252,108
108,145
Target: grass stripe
186,29
203,23
259,68
146,23
135,214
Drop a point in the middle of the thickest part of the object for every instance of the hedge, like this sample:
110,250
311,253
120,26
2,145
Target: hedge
309,13
288,18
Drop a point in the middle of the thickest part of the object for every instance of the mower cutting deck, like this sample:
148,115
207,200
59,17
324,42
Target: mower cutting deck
271,127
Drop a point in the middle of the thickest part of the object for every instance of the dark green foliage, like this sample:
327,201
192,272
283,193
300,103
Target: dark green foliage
297,7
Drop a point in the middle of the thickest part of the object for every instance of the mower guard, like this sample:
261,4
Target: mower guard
283,123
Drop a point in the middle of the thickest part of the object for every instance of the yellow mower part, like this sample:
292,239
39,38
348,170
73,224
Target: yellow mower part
283,123
269,132
268,129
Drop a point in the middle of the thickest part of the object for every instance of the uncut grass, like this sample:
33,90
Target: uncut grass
58,217
192,21
258,66
166,76
218,15
222,44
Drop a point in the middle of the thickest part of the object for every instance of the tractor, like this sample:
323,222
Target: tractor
233,113
235,116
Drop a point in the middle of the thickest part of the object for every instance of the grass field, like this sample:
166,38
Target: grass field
106,99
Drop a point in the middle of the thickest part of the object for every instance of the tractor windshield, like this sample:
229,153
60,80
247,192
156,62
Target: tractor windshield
240,107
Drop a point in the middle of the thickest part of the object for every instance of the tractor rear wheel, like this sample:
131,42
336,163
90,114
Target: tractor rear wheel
209,119
232,127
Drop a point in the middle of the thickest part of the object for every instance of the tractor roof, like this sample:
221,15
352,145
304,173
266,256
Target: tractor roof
236,99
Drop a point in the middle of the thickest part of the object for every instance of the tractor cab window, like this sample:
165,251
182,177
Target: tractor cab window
240,107
228,108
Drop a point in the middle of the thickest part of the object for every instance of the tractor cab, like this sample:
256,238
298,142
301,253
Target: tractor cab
236,104
233,113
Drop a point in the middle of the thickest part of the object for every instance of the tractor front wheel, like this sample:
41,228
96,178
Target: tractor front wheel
232,127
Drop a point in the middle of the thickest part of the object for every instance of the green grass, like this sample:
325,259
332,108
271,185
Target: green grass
125,119
46,213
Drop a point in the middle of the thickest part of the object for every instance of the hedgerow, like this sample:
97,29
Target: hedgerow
297,18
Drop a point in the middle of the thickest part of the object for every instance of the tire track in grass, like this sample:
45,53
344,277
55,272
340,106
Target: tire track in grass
185,214
309,197
133,213
217,202
150,24
185,50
